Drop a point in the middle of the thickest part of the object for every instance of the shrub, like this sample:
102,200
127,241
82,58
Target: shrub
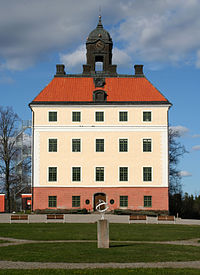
61,211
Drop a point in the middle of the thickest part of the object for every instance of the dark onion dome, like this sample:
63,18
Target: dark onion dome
99,33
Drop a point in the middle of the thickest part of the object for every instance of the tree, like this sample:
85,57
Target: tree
176,151
8,150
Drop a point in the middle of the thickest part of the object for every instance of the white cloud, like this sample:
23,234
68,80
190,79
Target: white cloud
162,32
185,174
121,58
196,148
153,31
74,59
181,130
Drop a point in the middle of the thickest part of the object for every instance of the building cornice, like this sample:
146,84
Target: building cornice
107,103
105,128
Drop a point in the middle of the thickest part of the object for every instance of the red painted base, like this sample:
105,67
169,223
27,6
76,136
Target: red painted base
135,197
2,203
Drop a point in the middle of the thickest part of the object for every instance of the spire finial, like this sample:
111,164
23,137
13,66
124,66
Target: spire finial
100,12
99,23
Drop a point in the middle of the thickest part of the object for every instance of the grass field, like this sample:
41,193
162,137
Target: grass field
138,271
118,232
89,253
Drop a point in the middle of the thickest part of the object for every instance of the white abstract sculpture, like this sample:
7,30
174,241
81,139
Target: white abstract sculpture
102,211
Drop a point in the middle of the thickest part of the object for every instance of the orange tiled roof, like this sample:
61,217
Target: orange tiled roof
74,89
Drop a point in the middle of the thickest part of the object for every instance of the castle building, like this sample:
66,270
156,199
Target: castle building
100,135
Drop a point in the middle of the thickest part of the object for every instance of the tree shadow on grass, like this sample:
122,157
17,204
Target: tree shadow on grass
119,245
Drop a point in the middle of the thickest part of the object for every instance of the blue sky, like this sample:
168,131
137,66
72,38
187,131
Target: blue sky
161,34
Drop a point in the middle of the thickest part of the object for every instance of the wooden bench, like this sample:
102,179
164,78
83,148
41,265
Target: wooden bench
137,218
19,218
55,217
166,218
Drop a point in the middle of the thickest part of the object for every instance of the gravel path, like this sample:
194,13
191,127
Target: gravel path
12,241
39,265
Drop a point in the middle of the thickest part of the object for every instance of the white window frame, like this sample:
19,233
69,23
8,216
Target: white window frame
95,144
119,173
95,173
80,144
151,144
151,174
104,116
72,116
80,173
48,144
123,207
48,173
127,145
151,116
48,116
127,116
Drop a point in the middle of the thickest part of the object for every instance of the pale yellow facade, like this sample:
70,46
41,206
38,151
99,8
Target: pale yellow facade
111,130
111,115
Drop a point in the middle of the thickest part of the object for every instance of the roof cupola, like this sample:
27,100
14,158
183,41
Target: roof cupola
99,33
99,52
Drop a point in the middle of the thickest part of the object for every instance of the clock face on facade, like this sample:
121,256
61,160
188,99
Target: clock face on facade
99,45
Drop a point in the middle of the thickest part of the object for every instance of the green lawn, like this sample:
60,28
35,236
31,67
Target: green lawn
118,232
88,252
138,271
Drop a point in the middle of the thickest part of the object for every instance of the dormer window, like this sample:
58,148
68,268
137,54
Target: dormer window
99,96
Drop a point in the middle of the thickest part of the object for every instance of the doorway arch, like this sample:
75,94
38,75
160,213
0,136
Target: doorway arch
97,197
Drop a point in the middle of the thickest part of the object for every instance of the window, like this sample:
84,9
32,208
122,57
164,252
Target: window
123,173
123,201
99,145
52,173
99,173
147,201
52,116
52,145
123,116
99,116
76,201
99,95
76,173
146,116
146,145
147,173
123,145
76,116
76,145
52,201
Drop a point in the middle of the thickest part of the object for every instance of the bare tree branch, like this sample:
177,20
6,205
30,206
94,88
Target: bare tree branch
9,128
176,151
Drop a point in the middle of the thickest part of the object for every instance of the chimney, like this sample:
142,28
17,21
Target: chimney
60,69
139,70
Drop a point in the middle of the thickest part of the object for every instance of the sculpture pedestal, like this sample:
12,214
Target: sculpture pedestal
103,233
